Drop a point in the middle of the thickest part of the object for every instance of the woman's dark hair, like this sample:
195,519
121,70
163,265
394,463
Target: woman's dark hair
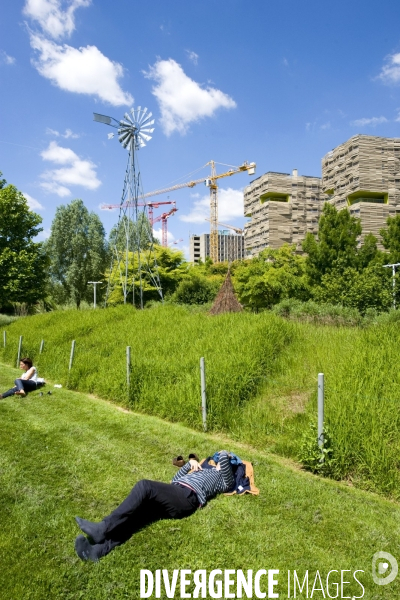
27,361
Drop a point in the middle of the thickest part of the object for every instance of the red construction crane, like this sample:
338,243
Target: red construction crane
164,228
211,182
151,206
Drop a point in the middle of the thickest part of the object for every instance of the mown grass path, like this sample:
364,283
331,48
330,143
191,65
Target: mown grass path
68,454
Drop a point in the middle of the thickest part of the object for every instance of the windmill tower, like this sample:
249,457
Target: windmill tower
133,224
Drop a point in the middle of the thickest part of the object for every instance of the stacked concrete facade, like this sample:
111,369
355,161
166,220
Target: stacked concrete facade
230,247
283,208
363,175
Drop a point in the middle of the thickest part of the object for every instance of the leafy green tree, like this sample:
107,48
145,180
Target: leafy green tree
366,289
336,247
139,231
271,277
169,264
391,239
23,262
195,288
78,251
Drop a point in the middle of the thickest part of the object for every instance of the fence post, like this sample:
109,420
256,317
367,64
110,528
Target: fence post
203,392
320,410
4,337
71,356
128,368
41,347
19,350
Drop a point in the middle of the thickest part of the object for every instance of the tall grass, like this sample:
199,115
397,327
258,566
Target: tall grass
261,377
166,346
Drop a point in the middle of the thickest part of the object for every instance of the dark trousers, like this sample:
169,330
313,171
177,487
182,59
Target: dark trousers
147,502
21,384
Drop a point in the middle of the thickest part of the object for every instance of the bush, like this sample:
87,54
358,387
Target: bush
315,459
196,289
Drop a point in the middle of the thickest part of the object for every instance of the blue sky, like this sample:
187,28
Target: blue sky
278,83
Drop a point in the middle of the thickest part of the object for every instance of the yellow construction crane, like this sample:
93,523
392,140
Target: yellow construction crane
210,182
236,229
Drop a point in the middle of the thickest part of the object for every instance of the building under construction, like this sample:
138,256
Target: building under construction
230,247
363,175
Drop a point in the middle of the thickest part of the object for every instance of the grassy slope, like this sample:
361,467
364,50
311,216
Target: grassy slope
69,454
261,377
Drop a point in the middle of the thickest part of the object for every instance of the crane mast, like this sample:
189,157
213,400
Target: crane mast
211,183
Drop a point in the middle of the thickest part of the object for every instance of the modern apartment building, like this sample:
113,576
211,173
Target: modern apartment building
363,175
230,246
283,208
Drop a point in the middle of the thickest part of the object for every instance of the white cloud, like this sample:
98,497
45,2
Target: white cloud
326,125
230,206
182,100
75,172
390,72
53,188
51,17
6,59
83,71
192,56
32,203
158,234
68,133
285,62
373,121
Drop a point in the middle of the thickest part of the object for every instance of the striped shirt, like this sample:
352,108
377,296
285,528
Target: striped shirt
209,482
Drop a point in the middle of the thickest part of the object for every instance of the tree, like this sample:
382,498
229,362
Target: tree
23,262
272,276
391,238
140,231
168,263
336,247
78,251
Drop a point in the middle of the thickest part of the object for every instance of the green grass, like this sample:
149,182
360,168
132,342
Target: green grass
68,454
261,377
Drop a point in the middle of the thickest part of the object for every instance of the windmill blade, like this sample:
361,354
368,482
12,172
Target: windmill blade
148,124
146,137
124,137
125,123
143,116
128,118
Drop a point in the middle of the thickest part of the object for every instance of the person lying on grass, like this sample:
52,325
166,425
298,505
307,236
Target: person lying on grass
26,383
149,501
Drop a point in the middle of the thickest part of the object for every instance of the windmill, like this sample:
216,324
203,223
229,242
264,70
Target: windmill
133,226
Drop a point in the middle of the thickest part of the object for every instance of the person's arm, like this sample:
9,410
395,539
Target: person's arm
226,469
30,373
191,465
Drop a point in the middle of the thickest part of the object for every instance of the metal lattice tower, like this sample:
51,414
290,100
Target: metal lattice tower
138,257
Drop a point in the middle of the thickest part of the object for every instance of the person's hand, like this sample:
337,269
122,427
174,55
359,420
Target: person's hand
195,465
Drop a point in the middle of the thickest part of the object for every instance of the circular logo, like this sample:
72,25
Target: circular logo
384,568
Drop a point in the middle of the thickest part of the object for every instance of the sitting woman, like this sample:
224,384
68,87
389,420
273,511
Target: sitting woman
26,383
